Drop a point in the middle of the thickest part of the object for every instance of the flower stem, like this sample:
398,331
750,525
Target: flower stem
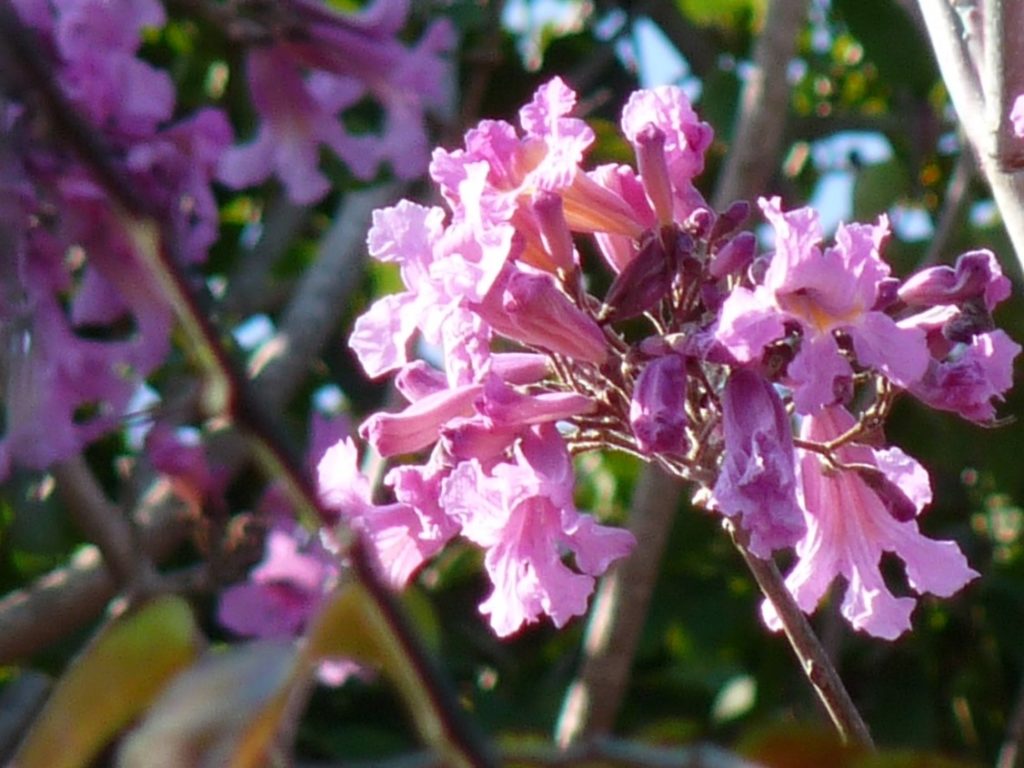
816,664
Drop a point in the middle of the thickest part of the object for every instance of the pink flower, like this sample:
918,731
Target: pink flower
822,292
296,118
523,515
686,138
849,528
530,308
402,536
284,591
971,378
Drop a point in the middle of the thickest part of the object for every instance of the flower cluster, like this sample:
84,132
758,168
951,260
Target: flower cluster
699,357
302,83
82,321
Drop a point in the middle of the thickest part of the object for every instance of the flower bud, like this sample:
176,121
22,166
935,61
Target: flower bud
554,231
728,220
699,223
532,310
657,412
650,159
896,502
645,280
969,279
419,379
420,424
734,256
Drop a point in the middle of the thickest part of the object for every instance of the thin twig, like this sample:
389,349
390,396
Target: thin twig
78,592
103,524
815,661
953,209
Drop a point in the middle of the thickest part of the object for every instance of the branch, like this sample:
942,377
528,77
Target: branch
815,661
764,104
617,613
960,73
78,592
321,298
953,209
103,524
228,393
250,284
1011,747
607,752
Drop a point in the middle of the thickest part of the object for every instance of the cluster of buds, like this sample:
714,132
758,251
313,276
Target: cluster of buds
763,378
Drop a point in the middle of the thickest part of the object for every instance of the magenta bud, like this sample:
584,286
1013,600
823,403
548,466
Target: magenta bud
950,285
520,367
420,424
895,501
642,283
657,412
650,160
419,379
887,294
733,257
731,218
537,313
554,230
699,222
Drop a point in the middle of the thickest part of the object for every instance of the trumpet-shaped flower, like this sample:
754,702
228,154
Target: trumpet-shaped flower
849,528
522,514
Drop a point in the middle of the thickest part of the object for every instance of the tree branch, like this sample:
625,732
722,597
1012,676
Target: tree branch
321,298
78,592
764,105
959,71
103,524
815,661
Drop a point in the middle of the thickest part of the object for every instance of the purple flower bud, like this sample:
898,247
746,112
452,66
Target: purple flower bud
650,159
974,272
520,367
643,282
534,311
758,478
731,218
554,230
887,294
896,502
504,406
419,379
734,256
657,412
699,223
420,424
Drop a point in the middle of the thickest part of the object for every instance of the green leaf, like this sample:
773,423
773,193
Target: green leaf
113,680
